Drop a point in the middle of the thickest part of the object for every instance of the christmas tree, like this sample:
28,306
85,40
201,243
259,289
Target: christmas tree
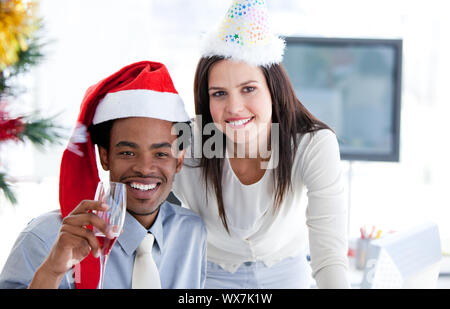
20,50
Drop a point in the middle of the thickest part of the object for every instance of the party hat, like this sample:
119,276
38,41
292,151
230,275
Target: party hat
245,35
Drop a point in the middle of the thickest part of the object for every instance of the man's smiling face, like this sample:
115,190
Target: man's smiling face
140,155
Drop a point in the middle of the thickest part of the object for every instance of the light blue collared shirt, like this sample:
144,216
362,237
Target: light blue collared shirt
179,251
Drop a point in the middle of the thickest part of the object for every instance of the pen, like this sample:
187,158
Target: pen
378,234
362,233
371,233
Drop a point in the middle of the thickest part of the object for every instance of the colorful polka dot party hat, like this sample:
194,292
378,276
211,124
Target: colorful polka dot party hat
245,35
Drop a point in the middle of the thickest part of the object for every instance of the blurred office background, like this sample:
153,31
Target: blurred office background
92,39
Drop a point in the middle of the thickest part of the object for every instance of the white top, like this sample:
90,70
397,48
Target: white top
258,233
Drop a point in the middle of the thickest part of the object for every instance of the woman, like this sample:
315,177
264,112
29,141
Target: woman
251,203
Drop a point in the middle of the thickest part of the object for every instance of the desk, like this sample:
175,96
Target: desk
355,276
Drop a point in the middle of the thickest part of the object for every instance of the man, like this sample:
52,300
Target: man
130,116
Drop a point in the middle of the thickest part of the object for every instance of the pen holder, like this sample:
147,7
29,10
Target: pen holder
361,252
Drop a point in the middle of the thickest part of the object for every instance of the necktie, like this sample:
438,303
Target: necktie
145,273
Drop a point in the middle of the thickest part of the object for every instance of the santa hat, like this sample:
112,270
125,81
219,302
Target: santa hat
245,35
143,89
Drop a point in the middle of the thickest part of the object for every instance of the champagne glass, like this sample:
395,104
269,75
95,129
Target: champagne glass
114,195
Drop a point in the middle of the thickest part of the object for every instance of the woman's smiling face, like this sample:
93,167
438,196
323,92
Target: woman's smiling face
239,100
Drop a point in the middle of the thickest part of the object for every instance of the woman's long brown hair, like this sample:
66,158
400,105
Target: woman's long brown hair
287,110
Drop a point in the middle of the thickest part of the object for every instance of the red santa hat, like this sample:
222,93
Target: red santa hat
143,89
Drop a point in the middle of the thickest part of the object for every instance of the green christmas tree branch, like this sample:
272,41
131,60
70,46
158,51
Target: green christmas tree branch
32,55
41,131
5,186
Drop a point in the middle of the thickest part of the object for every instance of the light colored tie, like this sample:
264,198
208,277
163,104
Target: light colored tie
145,273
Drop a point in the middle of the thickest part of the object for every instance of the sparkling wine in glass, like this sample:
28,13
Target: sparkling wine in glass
114,195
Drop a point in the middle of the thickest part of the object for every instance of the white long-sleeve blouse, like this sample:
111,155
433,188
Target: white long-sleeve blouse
257,232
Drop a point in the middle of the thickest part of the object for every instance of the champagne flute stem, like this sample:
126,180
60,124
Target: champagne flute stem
103,259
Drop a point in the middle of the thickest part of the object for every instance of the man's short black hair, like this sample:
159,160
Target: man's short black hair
101,134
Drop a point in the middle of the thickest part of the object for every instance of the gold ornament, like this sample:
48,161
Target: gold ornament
17,25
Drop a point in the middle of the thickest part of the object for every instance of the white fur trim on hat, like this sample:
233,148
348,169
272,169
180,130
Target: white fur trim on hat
135,103
257,55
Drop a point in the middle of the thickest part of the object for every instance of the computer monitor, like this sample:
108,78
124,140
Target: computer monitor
354,86
408,259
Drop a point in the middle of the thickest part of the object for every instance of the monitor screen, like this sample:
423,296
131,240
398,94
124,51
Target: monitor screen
354,86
